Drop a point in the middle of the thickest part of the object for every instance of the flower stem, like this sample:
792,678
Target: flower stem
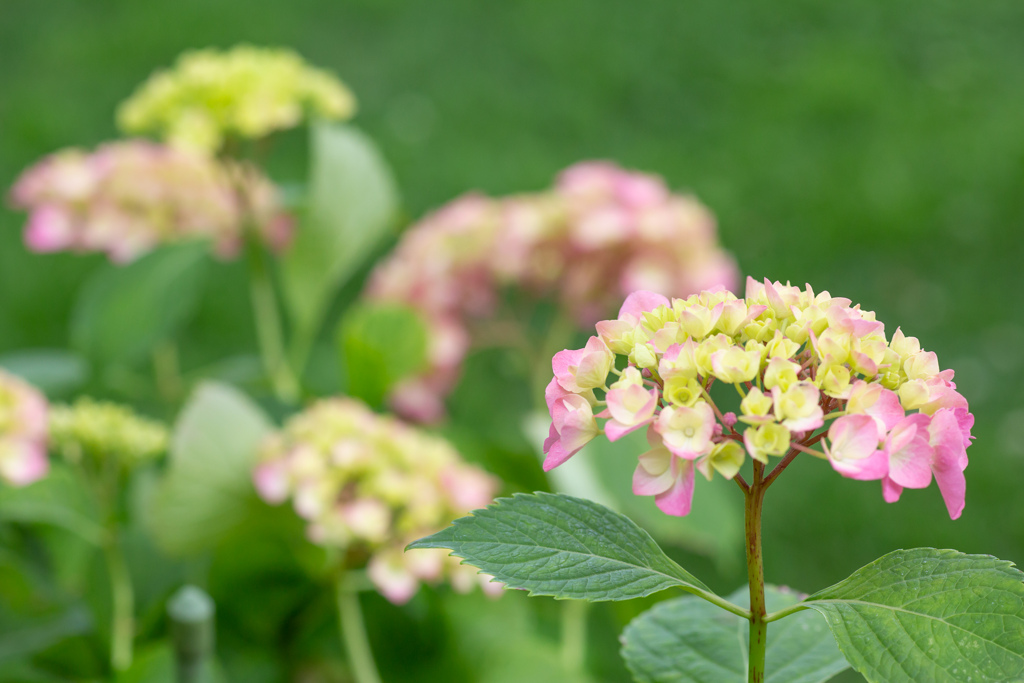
353,634
755,574
574,635
268,327
123,626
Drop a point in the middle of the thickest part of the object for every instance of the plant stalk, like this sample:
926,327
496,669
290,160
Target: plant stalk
353,634
268,327
755,574
123,622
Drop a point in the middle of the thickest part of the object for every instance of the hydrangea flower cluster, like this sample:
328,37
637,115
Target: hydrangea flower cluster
599,234
23,412
810,368
246,91
370,485
126,198
98,431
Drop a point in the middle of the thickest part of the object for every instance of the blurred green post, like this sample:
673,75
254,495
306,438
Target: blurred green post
191,611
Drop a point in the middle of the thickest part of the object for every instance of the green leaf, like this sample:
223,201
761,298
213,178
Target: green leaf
59,499
124,311
381,344
353,202
55,372
207,490
688,640
929,615
551,544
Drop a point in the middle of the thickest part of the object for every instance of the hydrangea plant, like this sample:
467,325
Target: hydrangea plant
816,377
601,232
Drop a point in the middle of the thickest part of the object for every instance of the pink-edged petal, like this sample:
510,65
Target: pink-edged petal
639,302
678,499
615,430
891,490
648,483
911,466
873,467
950,460
556,454
272,481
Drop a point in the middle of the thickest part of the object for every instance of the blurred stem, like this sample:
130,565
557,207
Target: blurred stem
303,337
353,632
123,622
268,326
167,371
755,573
574,635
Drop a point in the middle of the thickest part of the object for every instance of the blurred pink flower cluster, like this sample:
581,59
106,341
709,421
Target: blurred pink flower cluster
369,483
23,432
799,360
126,198
599,234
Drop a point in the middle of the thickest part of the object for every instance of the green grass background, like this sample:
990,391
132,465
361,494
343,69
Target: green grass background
874,149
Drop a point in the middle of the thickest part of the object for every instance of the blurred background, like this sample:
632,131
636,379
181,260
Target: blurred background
872,149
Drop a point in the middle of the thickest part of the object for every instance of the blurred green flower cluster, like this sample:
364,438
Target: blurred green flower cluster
246,91
97,431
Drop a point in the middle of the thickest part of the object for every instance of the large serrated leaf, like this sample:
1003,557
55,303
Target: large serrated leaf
688,640
569,548
929,615
353,201
207,490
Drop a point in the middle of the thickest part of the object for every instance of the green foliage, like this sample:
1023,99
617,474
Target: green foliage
56,372
689,640
352,206
551,544
929,615
60,499
380,344
207,490
124,311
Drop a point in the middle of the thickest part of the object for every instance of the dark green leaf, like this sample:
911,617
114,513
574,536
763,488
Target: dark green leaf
929,615
689,640
551,544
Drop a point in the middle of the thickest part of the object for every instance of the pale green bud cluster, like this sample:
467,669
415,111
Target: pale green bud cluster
246,91
98,431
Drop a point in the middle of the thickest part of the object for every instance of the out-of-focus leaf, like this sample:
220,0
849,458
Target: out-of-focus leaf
553,544
929,615
56,372
501,644
352,203
59,499
124,311
33,635
207,489
381,345
688,639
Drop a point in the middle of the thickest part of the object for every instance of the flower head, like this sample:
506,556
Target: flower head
95,432
127,198
371,484
811,368
246,91
600,233
23,412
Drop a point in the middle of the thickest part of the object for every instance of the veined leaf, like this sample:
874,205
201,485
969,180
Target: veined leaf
688,640
929,615
553,544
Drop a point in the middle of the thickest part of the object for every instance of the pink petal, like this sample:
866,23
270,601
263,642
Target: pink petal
639,302
678,499
891,490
